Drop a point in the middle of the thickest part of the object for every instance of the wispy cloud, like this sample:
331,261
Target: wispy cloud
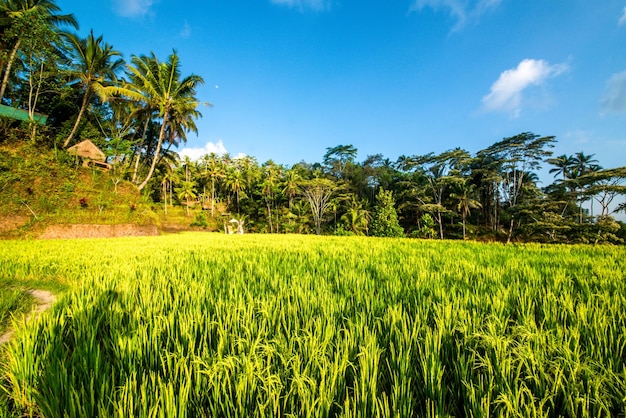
133,8
315,5
185,32
622,20
506,92
614,98
197,153
464,11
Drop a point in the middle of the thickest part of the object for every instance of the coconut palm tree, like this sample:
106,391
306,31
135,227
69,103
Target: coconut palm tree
96,64
465,201
13,11
236,183
357,218
271,177
187,192
213,170
585,164
159,85
582,165
563,165
291,184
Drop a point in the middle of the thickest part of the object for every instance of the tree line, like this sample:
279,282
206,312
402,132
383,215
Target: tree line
138,111
493,194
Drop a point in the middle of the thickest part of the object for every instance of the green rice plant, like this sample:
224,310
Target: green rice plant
12,302
204,324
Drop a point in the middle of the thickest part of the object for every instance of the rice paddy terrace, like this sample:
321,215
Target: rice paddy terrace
202,324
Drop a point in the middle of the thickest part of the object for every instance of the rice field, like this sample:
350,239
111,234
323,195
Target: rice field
12,302
209,325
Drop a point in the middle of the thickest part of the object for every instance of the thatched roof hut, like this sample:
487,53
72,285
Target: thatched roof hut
90,153
87,149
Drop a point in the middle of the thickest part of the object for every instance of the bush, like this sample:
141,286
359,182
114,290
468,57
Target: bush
200,220
385,220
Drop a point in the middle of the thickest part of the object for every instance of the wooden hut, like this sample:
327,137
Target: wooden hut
91,155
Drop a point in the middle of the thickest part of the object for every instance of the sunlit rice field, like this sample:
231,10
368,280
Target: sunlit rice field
235,326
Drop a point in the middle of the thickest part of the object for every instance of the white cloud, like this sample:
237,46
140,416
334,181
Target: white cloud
133,8
463,11
185,32
506,92
316,5
197,153
622,20
614,97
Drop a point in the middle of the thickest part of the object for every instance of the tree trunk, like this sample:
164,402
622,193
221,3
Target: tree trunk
156,152
510,234
83,106
7,72
269,218
212,197
165,197
143,140
440,221
464,236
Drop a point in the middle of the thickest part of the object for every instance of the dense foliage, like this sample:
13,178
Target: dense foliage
138,111
266,325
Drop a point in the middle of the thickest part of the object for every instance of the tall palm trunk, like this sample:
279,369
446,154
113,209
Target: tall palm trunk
464,233
143,140
7,72
165,197
212,196
440,222
156,152
81,112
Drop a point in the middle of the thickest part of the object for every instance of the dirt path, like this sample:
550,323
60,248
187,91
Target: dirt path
44,299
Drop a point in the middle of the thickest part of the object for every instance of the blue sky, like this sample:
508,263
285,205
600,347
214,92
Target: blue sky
289,78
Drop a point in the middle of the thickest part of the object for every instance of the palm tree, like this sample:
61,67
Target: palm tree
12,11
337,157
95,65
167,181
357,218
563,166
214,170
291,185
584,164
159,85
271,175
465,201
236,183
186,191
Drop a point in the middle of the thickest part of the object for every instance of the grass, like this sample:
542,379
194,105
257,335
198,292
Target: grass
202,324
13,302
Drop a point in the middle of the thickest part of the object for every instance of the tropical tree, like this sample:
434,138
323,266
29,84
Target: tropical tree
236,183
584,164
385,218
213,171
563,166
95,66
357,218
38,55
16,12
514,158
291,185
159,85
186,191
441,172
337,158
465,201
269,188
318,193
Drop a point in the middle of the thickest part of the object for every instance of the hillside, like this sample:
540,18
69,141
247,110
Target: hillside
42,187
